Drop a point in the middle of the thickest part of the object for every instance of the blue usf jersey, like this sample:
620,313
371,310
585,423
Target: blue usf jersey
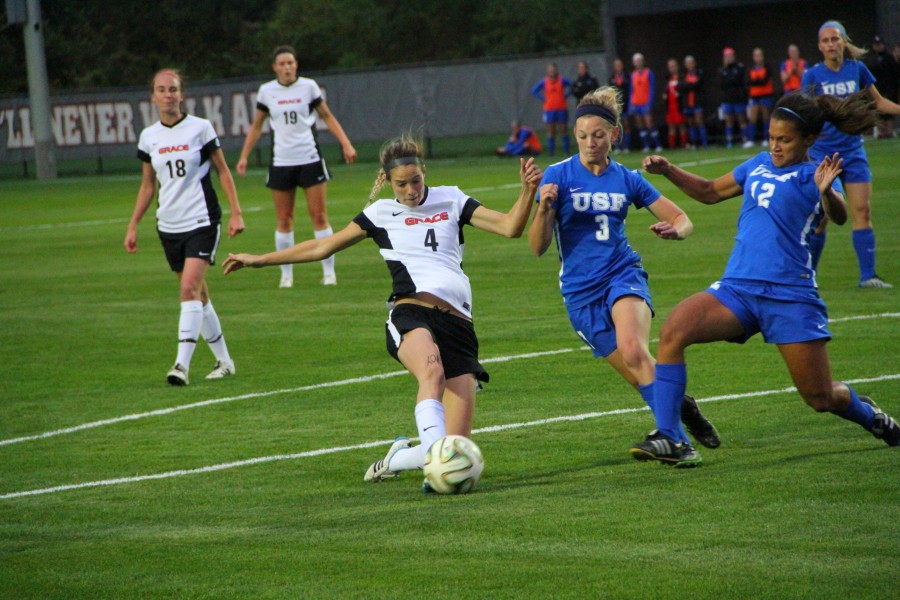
852,77
780,209
590,225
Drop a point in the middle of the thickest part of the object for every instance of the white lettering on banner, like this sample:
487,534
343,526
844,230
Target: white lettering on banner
106,134
71,135
125,123
212,108
13,137
240,117
148,113
190,105
88,123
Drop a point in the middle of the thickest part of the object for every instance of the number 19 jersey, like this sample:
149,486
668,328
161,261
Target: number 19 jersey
292,117
423,245
180,156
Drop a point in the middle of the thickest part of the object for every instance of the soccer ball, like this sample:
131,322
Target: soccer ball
453,465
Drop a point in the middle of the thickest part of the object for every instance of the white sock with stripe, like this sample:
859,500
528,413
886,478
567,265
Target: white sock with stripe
188,330
211,330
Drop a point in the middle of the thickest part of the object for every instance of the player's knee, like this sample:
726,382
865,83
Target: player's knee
820,400
635,355
673,335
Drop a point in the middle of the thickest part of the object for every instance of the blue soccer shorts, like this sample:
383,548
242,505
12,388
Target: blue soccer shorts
784,314
855,166
556,116
593,322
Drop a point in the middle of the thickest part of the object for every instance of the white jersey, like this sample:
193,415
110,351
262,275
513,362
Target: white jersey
180,155
292,117
423,244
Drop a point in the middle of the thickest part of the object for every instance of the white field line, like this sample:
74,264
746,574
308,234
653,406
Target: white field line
316,386
44,226
333,450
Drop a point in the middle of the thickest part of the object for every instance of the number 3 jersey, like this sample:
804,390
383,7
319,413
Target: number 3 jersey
423,245
781,208
180,156
590,225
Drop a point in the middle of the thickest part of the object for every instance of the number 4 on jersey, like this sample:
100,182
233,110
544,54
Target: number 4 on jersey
431,240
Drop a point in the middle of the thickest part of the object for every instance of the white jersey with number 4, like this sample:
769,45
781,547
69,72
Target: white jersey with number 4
423,245
292,117
180,155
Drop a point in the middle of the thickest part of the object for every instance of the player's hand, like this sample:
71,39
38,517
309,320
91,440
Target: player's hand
349,154
235,225
549,194
236,262
241,167
656,165
131,241
530,173
827,171
665,231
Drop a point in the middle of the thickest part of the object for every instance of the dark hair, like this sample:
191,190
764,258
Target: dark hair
284,50
852,115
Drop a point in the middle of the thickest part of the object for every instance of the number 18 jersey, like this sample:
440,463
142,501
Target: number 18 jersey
423,245
180,156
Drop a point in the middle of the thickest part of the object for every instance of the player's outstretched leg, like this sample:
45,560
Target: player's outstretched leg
380,469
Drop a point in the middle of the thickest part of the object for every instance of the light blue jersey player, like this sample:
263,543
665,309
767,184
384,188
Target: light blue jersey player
840,74
583,203
769,283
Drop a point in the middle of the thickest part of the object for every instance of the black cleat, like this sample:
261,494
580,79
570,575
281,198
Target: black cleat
658,447
698,425
883,427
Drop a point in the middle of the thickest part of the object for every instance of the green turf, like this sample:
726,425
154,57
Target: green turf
794,504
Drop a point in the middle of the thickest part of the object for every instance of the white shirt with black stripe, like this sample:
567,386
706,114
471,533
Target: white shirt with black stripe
423,245
292,117
180,156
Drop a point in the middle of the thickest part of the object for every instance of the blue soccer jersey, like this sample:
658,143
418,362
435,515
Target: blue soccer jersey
852,77
781,207
590,225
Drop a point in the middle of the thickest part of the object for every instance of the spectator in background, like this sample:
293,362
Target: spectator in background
762,97
691,90
622,82
553,90
675,119
584,83
523,141
734,95
792,70
886,71
640,103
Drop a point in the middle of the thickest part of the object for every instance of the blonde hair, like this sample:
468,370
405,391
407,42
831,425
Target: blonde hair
405,146
608,97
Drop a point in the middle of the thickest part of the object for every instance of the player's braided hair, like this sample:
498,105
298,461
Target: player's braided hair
852,115
405,146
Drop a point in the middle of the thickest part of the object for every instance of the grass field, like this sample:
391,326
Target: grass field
114,485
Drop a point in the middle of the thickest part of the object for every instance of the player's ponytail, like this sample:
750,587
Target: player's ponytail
402,150
852,115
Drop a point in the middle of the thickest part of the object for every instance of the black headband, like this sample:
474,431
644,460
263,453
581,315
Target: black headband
597,111
403,160
794,114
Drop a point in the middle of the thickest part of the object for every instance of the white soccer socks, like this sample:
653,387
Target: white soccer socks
432,427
